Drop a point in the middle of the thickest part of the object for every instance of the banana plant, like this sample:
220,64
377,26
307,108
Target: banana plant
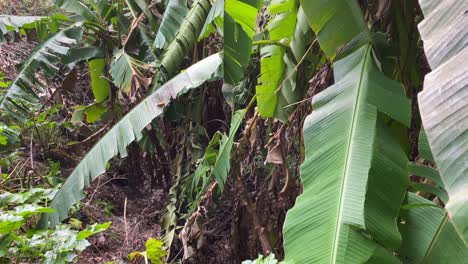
117,31
350,151
354,173
25,89
338,210
443,102
127,130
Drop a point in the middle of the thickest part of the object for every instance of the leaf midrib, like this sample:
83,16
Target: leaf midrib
436,237
348,154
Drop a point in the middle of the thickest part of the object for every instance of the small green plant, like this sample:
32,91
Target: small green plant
3,83
20,242
47,128
154,253
107,206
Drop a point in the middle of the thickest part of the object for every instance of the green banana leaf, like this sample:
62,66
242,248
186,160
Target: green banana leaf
428,236
174,16
274,61
354,173
187,36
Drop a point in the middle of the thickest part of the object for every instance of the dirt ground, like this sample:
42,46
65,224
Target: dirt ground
134,219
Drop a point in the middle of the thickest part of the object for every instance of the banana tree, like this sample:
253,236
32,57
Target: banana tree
356,172
443,104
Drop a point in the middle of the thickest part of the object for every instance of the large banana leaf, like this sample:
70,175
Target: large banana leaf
123,133
26,88
335,22
428,236
174,16
444,101
354,173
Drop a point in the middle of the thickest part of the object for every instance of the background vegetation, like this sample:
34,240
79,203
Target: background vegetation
222,131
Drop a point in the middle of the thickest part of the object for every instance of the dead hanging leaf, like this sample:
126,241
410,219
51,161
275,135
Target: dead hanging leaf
189,234
274,155
275,150
68,84
252,122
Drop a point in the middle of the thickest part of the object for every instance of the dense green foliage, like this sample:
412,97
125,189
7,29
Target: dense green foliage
375,184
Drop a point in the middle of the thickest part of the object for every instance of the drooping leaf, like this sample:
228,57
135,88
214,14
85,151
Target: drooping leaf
426,172
433,183
127,130
174,16
354,173
236,43
26,88
272,72
17,22
302,36
43,25
443,102
429,188
144,41
148,14
215,164
428,236
423,146
244,13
